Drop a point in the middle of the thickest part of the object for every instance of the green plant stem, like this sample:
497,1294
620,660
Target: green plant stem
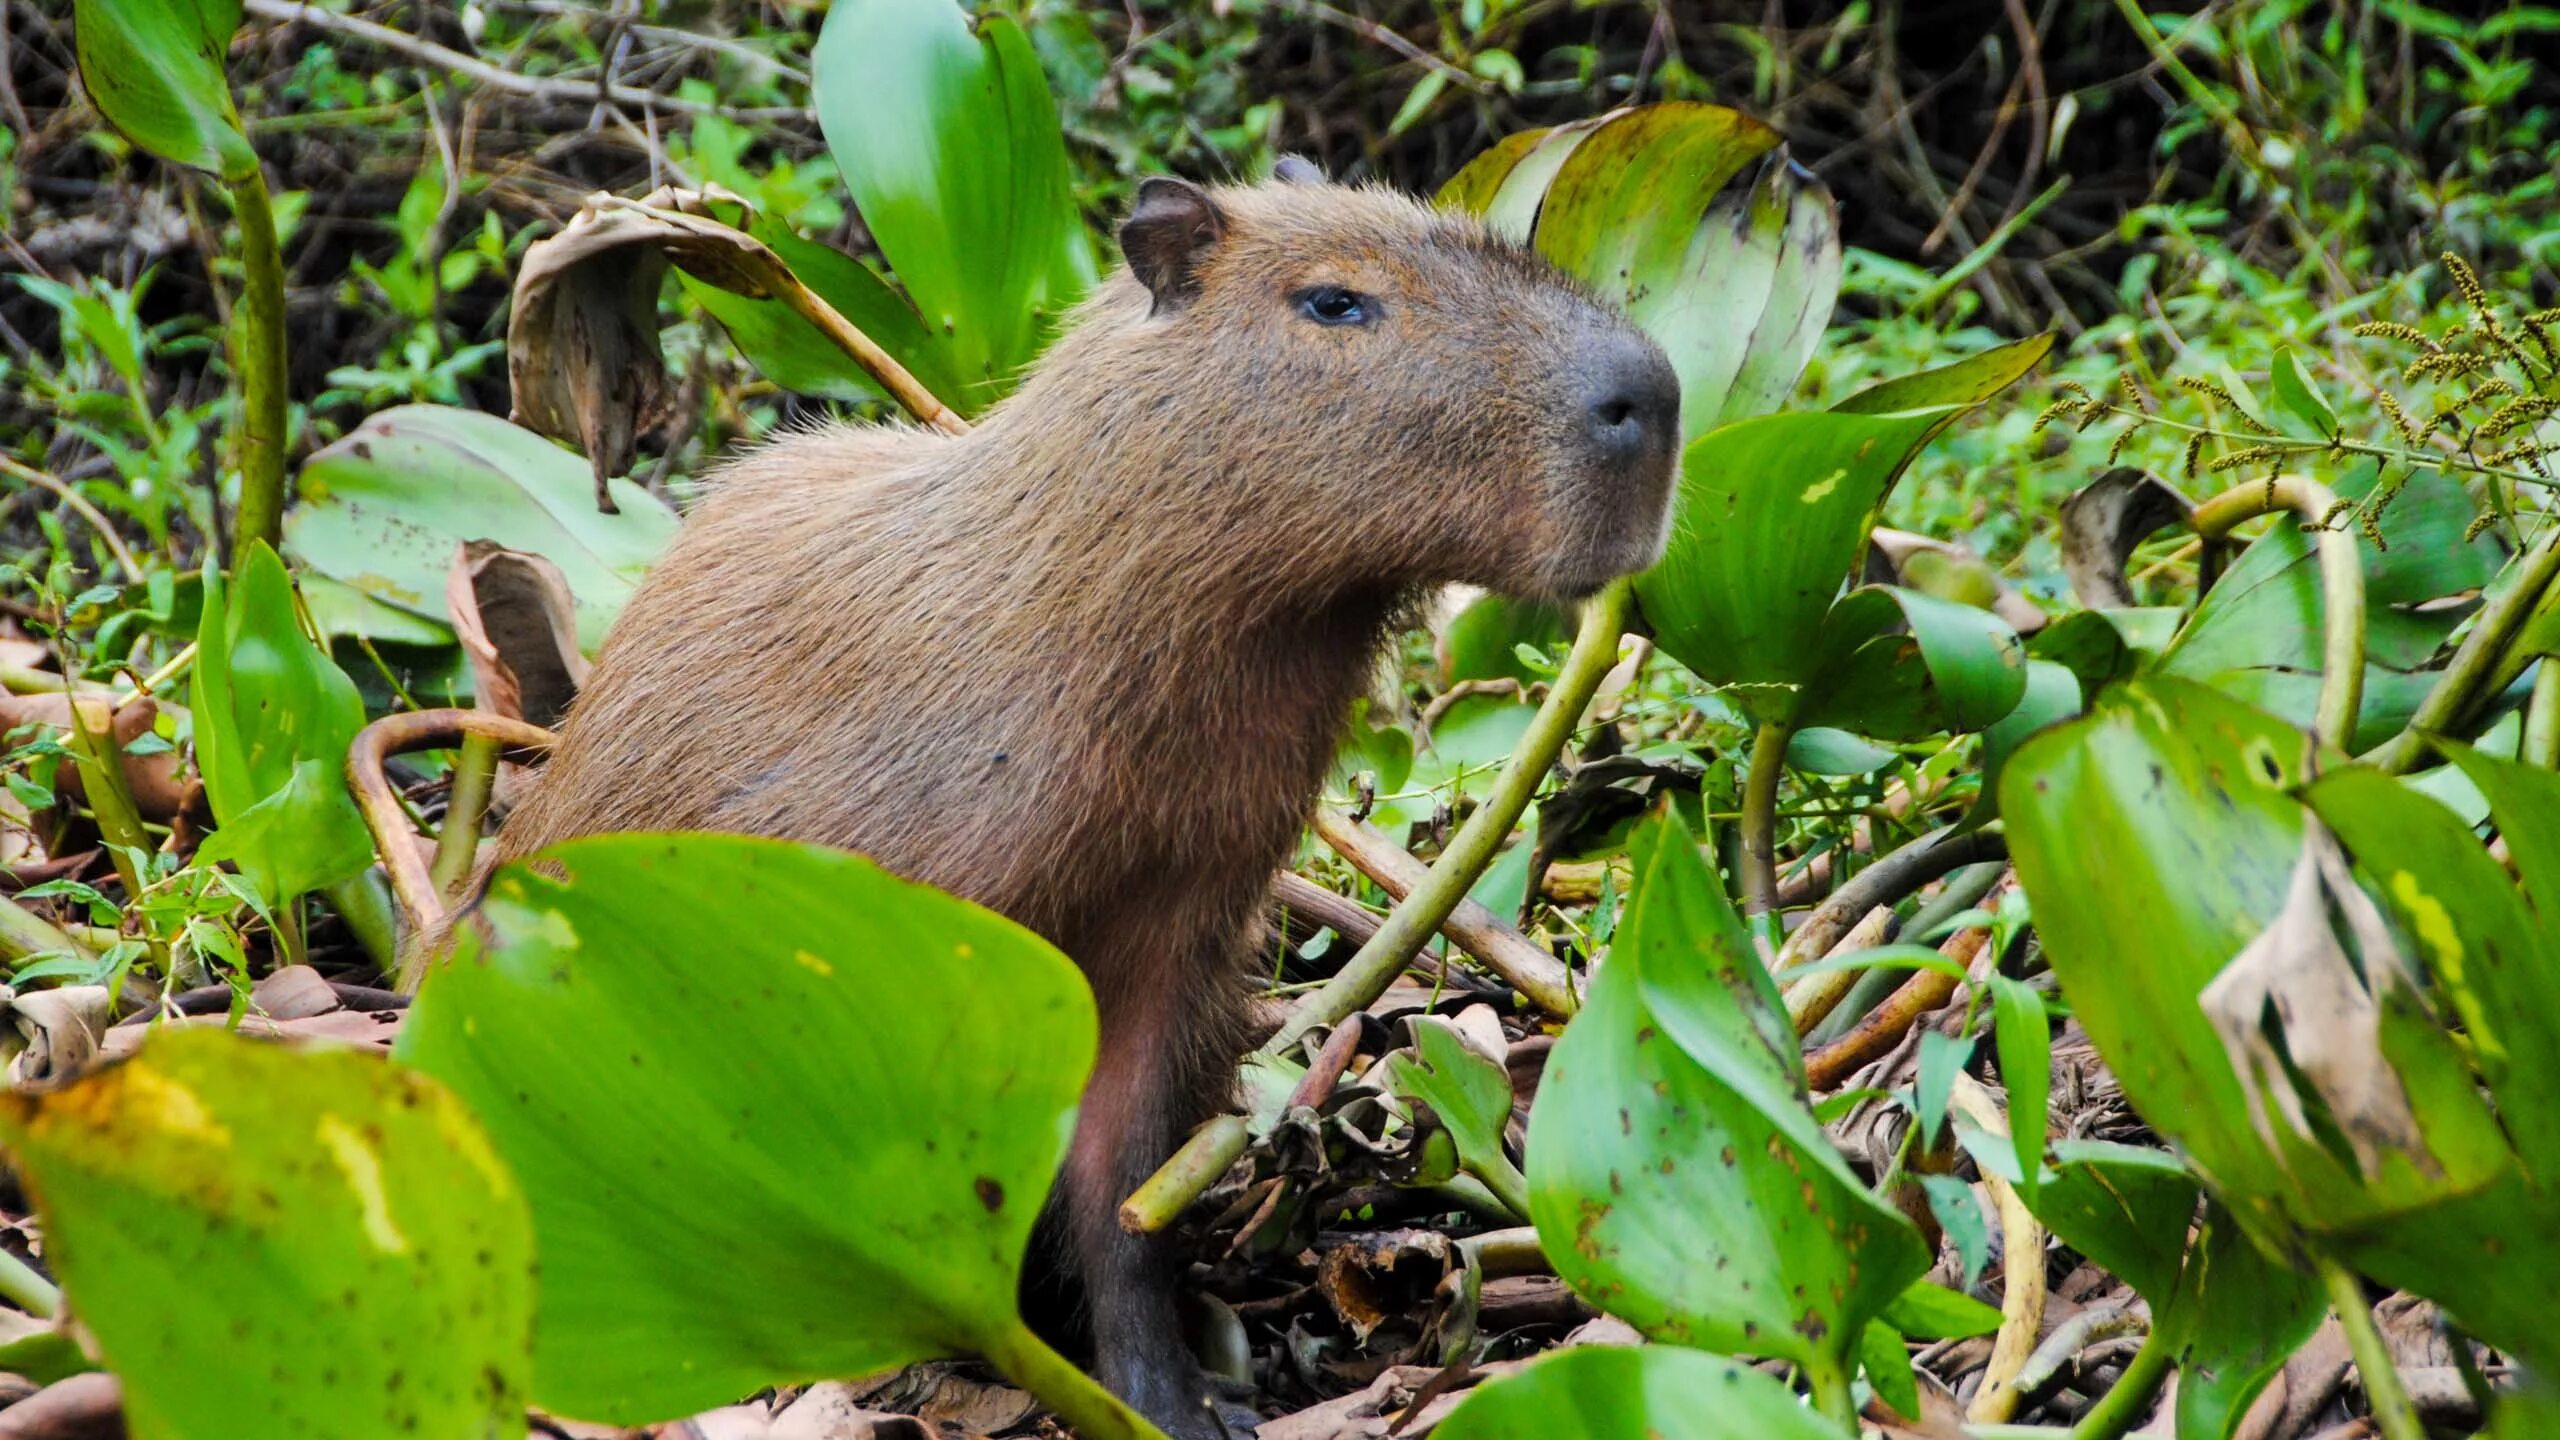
475,768
2383,1392
261,357
2341,586
30,1291
1366,977
2541,743
2493,630
364,903
1091,1411
2130,1397
23,932
1760,818
1506,1182
2448,461
1829,1380
1193,1169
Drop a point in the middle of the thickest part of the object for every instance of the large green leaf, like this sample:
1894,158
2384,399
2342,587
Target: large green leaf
778,1114
1772,515
2258,632
945,132
2125,1207
269,1241
1675,1174
154,69
1898,664
793,354
274,716
384,509
2235,1319
2157,839
1692,219
1653,1392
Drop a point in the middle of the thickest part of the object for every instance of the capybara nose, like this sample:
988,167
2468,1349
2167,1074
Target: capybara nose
1633,410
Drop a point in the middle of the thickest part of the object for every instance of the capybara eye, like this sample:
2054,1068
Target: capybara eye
1333,305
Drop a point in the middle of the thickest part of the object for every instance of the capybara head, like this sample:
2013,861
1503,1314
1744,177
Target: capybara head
1410,395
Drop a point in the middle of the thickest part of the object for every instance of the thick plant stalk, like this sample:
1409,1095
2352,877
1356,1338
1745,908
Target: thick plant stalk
1811,1001
262,438
23,932
1384,956
1091,1411
2493,630
2541,743
879,364
1595,650
412,884
475,770
1883,1027
1760,819
1886,882
2022,1291
1161,1200
2383,1391
1481,933
2341,586
2129,1399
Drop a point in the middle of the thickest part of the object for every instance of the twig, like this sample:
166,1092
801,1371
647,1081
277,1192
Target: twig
1760,818
2341,586
578,92
1194,1168
1886,882
1883,1028
1811,1001
1480,932
2098,1322
81,507
2022,1287
32,1293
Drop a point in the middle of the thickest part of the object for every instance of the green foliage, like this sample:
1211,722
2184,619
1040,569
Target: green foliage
154,68
270,1241
1600,1392
697,1016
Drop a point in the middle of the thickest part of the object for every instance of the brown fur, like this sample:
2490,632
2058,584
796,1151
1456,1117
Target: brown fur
1088,664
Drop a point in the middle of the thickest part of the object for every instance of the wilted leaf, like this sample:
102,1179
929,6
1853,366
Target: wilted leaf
798,356
517,622
778,1114
2103,521
154,69
269,1241
1676,1177
385,507
1652,1392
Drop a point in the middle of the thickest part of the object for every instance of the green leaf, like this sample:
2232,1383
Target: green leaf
273,717
1961,384
273,1241
2238,1316
1887,1362
1675,1175
944,130
793,354
1899,665
2026,1067
2156,840
154,70
1693,220
2123,1206
1959,1214
1941,1056
1771,517
826,1104
1651,1392
385,508
2052,695
1471,1095
1481,642
1820,750
1934,1312
2300,399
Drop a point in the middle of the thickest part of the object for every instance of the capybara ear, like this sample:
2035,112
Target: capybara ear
1173,226
1298,170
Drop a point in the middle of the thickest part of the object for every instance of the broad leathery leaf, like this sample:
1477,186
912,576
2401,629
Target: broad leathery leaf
385,507
1650,1392
2124,1206
1468,1091
277,1241
2237,1317
2156,838
2257,633
273,697
2052,695
154,70
1898,665
2496,971
778,1114
1692,220
793,354
301,838
944,130
1771,518
1675,1175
